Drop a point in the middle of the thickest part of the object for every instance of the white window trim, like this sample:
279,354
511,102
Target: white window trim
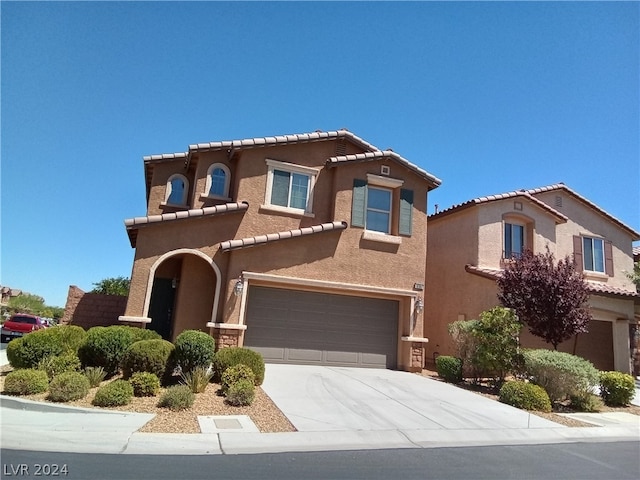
312,173
227,182
169,188
390,211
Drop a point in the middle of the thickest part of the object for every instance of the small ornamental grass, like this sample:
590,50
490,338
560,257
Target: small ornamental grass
68,386
241,393
114,394
95,375
525,395
617,389
145,384
176,398
197,379
449,368
26,381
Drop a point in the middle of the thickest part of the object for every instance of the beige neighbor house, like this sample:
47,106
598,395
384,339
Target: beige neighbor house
469,244
308,248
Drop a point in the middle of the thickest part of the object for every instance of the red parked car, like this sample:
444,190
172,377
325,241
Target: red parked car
19,324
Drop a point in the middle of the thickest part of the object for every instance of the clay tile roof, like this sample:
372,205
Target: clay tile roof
562,186
132,224
636,251
596,288
390,154
492,198
271,237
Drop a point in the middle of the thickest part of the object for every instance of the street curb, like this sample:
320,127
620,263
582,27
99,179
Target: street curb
34,406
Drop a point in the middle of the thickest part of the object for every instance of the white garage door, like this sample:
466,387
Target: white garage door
290,326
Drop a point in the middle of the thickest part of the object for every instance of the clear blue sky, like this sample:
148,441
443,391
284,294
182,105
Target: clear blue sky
489,97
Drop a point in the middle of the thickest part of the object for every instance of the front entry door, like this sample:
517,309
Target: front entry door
161,307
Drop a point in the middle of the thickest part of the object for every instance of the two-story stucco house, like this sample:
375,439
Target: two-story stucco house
469,243
308,248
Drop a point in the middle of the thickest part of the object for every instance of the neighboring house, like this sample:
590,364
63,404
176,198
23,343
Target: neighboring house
308,248
7,293
469,244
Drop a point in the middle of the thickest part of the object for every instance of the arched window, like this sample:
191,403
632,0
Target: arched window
177,190
218,180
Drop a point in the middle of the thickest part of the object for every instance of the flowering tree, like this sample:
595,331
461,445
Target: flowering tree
551,299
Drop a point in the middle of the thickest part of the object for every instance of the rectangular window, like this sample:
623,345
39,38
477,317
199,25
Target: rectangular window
593,254
513,240
289,189
378,210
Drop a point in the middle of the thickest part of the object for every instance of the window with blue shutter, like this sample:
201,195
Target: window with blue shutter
406,212
358,203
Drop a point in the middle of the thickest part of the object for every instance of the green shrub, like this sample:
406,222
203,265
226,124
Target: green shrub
197,379
194,349
233,375
586,402
228,357
145,384
178,397
29,350
617,389
144,334
525,395
560,374
146,356
26,381
67,362
95,375
68,386
71,337
113,394
488,347
241,393
449,368
105,346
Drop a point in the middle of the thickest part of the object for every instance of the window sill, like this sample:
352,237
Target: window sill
215,197
296,212
173,205
599,276
381,237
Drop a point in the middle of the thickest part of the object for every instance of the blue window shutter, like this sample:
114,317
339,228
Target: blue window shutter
358,203
406,212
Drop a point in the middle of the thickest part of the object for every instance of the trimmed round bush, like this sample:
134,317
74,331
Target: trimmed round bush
146,356
241,393
145,384
67,362
560,374
586,402
113,394
617,389
29,350
228,357
144,334
105,346
194,349
234,374
26,381
449,368
71,336
525,395
178,397
68,386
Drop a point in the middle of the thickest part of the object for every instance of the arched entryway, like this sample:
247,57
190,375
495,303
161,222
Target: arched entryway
183,293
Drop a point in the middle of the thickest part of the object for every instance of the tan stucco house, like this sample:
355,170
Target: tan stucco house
308,248
469,244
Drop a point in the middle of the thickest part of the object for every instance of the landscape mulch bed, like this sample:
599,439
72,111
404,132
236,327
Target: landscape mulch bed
263,412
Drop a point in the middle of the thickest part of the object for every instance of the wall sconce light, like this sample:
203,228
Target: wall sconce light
238,287
419,305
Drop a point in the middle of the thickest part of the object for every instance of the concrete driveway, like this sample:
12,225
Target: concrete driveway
317,399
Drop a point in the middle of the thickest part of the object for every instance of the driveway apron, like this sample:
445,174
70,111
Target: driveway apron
320,398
